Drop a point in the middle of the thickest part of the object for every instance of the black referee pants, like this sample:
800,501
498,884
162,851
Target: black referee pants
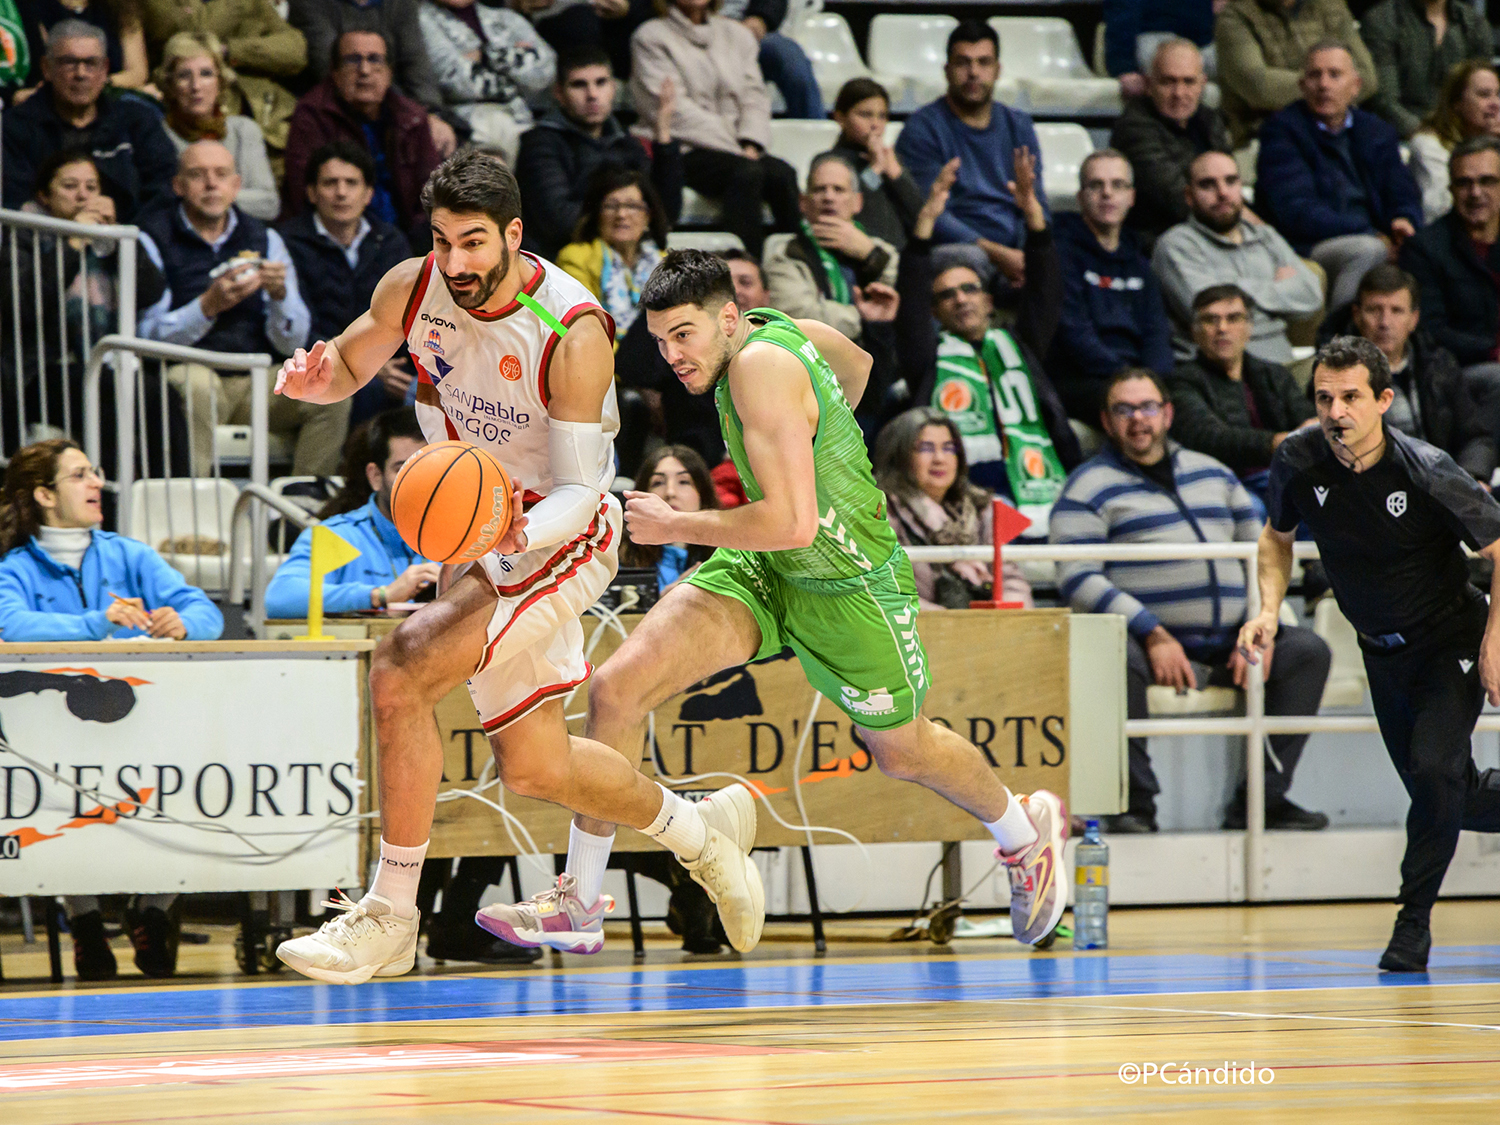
1427,696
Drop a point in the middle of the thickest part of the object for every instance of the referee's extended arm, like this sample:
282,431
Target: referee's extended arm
1273,573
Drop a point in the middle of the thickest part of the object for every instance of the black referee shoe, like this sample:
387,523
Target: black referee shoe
1410,943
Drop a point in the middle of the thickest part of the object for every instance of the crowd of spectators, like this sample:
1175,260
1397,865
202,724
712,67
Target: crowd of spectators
1280,173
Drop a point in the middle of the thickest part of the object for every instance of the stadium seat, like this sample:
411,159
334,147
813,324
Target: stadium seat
830,47
186,521
1044,57
910,51
712,241
232,444
1065,145
1346,674
797,142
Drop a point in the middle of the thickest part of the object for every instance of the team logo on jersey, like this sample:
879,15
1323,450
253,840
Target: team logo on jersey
443,370
1321,493
510,368
955,396
1395,503
435,342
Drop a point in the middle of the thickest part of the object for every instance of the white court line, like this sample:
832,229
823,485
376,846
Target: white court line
1282,1015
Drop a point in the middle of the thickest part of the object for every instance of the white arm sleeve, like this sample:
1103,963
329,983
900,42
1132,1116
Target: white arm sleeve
564,512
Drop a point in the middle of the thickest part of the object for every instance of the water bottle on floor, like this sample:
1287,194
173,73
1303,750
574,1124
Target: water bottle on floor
1091,890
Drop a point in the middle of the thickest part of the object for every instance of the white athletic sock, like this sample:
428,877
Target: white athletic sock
1014,830
588,855
678,826
397,876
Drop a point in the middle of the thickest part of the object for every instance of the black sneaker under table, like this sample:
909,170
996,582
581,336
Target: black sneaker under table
92,957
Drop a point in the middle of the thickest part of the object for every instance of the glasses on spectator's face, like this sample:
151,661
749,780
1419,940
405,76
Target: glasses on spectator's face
1215,320
967,288
80,62
356,60
932,448
1465,183
623,207
1125,411
78,476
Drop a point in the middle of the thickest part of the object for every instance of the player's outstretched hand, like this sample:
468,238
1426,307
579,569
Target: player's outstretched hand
307,374
513,542
1257,635
648,518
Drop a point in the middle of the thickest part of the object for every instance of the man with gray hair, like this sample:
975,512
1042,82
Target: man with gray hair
76,108
1162,132
830,269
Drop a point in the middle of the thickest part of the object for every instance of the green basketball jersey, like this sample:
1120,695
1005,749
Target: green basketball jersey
853,535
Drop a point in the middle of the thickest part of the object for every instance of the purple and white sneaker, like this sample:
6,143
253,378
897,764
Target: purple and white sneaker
557,917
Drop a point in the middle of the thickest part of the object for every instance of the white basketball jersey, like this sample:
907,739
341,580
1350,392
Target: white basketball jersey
482,377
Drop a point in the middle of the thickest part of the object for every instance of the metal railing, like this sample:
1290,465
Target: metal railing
36,314
163,501
1254,725
260,495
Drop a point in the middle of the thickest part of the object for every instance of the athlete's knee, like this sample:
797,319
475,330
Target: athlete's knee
539,776
897,754
398,678
615,697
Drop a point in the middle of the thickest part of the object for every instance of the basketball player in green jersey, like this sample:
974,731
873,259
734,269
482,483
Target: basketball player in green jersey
810,562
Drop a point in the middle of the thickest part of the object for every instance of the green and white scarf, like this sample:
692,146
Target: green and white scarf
991,397
838,284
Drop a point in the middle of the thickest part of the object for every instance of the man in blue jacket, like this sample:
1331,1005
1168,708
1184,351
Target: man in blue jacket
1113,316
1330,176
341,252
969,124
387,570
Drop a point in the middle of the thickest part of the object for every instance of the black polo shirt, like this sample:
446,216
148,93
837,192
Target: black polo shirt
1389,536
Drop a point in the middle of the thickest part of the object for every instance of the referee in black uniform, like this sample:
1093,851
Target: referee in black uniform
1388,513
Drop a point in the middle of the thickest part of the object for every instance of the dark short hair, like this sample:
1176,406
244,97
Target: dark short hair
735,254
856,90
474,183
576,58
1472,147
61,159
345,150
608,179
1216,293
1388,278
1126,374
972,30
336,52
1343,352
688,277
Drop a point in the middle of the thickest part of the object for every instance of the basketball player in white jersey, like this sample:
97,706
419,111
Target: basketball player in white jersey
512,355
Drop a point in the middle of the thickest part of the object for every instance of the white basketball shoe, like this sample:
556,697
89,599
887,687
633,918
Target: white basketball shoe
365,939
724,868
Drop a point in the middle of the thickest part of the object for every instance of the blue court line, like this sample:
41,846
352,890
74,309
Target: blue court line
744,986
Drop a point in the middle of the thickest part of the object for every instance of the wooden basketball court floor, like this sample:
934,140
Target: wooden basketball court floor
872,1032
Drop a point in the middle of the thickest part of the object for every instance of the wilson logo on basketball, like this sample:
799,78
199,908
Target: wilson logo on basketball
510,368
954,395
490,531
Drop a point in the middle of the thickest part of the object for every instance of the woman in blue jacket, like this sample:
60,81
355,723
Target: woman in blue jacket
62,579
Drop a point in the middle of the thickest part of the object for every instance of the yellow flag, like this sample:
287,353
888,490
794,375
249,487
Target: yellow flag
329,552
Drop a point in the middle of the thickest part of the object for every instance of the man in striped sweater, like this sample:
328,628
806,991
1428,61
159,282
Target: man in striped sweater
1182,616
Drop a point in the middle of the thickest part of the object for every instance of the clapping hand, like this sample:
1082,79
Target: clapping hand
937,200
877,302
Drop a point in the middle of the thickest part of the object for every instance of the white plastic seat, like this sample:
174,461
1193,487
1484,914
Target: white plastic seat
232,444
713,241
187,522
908,53
1043,55
1347,682
797,142
1065,146
830,47
1164,702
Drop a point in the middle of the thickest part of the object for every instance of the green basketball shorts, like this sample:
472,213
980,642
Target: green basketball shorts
855,637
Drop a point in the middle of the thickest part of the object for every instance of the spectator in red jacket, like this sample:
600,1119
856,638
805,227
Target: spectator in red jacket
356,102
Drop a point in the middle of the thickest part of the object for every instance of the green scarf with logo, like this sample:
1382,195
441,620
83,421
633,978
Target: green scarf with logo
991,397
838,284
15,55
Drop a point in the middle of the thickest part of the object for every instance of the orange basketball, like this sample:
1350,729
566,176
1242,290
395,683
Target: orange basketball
451,502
